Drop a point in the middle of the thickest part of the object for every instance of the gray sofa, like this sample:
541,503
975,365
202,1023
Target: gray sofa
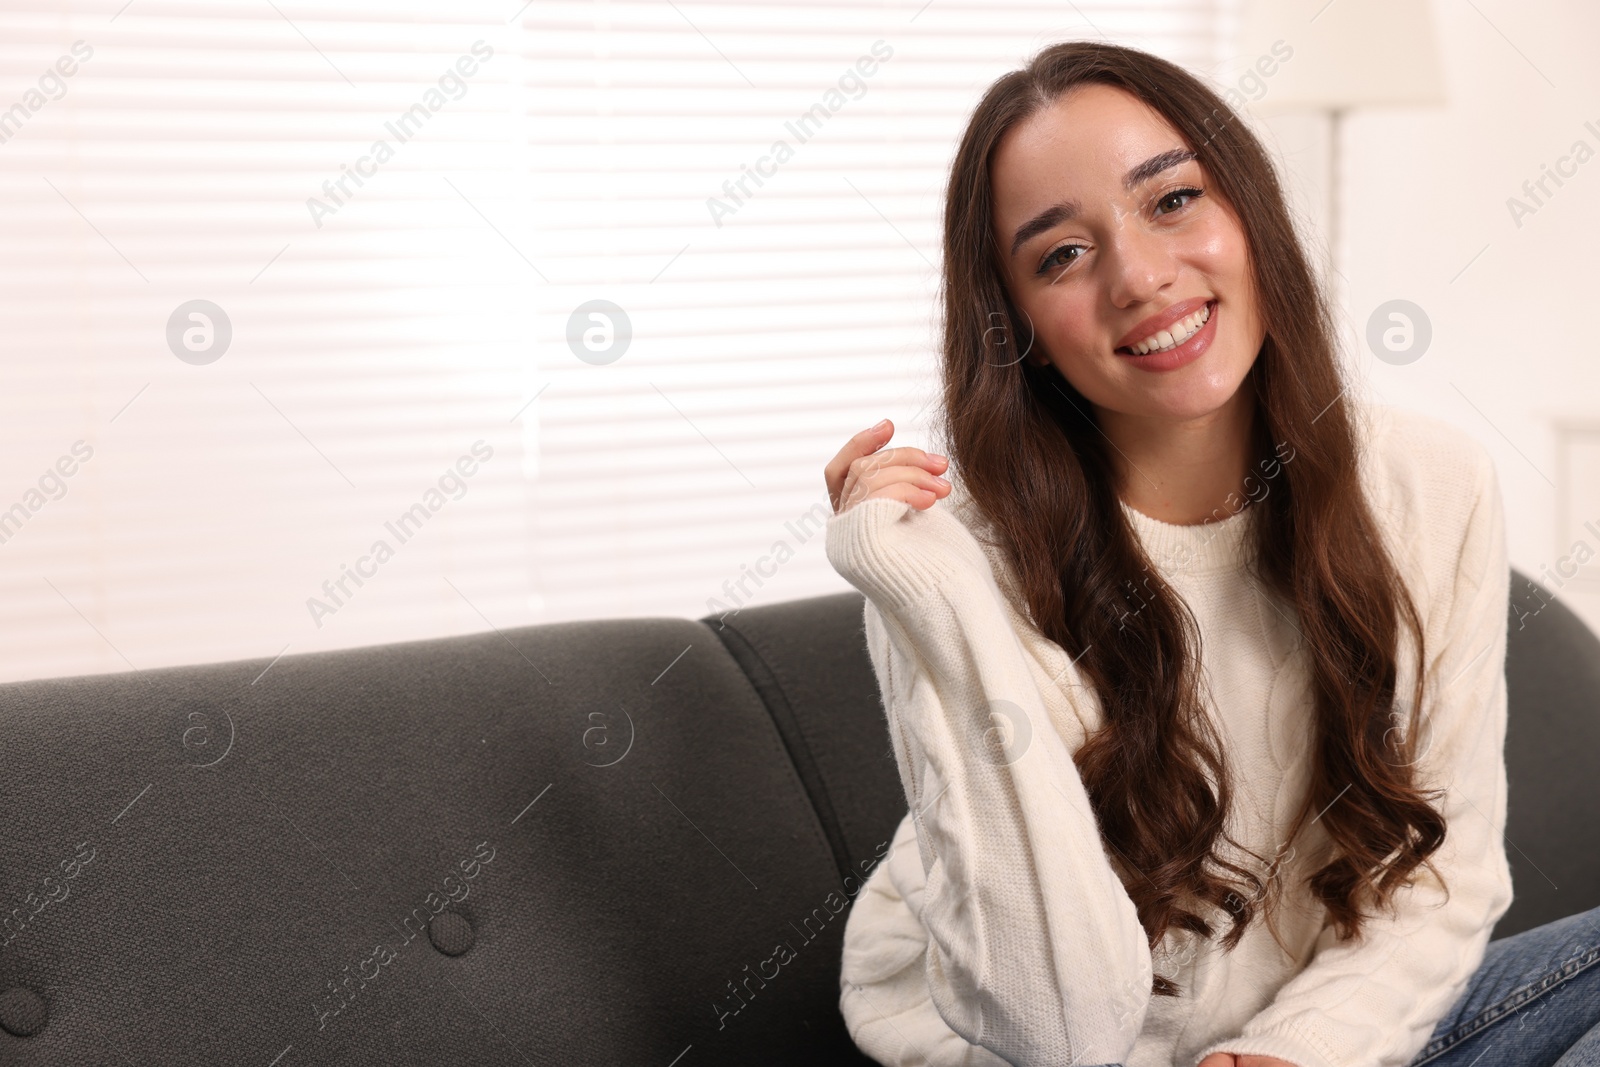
577,843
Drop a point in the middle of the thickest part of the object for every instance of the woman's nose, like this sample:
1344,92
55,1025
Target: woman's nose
1140,264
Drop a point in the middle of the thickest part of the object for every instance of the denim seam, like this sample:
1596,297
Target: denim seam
1495,1012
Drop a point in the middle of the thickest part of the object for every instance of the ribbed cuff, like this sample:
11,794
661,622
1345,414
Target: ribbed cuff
1285,1041
896,553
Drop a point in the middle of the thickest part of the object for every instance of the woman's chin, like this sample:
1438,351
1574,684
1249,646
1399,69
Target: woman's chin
1200,389
1194,391
1183,401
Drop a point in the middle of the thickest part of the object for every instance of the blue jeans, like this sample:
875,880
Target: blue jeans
1533,1002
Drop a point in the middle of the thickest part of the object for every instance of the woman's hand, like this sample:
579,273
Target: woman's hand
1228,1059
860,472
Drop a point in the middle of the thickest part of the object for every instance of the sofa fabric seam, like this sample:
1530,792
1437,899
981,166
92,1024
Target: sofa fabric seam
825,827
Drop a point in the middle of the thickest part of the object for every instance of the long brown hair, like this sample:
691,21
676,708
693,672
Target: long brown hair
1033,461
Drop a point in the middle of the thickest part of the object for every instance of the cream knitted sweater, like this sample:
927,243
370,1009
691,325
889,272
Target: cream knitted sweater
997,931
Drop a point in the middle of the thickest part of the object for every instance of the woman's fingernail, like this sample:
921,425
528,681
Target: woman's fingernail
880,425
942,482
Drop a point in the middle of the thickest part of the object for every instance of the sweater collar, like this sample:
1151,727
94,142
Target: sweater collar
1214,545
1218,545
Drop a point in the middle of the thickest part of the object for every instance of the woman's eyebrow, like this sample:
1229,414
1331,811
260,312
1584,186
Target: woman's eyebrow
1155,165
1066,210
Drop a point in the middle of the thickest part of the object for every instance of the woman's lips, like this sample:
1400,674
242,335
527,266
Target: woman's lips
1181,355
1173,313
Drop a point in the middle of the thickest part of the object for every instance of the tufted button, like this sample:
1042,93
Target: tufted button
450,933
22,1012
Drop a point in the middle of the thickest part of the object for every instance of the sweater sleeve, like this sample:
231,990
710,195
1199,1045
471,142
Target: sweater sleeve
1374,1002
1034,950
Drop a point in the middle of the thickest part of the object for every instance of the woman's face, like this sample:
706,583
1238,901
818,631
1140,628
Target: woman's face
1108,230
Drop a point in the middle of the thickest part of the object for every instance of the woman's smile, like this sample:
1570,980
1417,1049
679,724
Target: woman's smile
1177,344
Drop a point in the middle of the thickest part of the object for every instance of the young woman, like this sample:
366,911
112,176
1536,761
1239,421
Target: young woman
1148,640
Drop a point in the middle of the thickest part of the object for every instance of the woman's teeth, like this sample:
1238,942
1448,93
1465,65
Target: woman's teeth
1173,335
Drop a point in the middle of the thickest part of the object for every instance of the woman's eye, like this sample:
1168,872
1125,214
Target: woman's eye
1176,194
1053,260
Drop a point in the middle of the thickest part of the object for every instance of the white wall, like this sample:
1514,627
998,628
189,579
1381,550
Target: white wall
1514,347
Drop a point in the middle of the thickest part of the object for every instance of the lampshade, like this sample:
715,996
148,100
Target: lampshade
1342,54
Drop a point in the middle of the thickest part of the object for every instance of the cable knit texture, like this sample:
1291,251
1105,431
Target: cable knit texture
998,931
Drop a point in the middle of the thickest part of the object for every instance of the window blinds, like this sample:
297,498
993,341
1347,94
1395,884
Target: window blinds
347,323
